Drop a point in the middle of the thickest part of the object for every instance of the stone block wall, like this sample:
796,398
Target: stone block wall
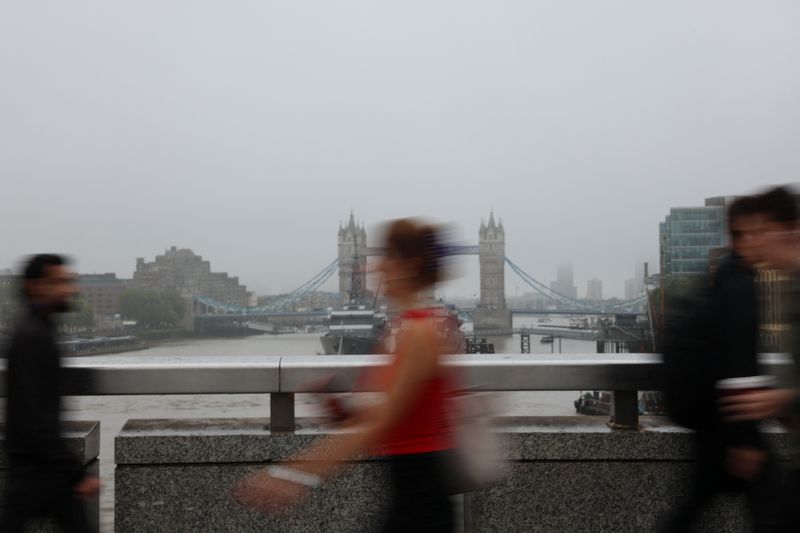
567,474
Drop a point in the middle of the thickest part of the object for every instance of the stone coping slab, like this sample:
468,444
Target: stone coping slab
248,440
210,440
82,438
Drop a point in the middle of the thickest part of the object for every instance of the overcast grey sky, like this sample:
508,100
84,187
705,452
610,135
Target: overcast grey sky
247,130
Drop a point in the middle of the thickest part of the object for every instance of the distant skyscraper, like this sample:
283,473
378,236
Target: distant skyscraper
630,289
594,290
565,283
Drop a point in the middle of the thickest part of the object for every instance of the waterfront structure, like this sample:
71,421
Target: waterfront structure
352,261
688,235
102,292
184,271
594,290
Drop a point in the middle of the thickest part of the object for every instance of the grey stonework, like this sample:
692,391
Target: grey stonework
567,474
492,319
352,247
492,259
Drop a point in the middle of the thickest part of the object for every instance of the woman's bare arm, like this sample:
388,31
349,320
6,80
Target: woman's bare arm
419,364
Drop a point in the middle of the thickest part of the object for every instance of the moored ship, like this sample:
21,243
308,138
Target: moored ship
353,330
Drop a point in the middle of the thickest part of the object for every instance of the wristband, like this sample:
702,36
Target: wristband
295,476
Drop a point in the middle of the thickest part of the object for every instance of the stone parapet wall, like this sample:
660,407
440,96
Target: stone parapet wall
567,474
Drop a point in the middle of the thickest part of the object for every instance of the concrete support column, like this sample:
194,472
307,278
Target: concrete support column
281,409
625,410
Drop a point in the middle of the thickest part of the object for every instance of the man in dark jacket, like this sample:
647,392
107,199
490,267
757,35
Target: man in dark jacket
730,455
782,253
43,477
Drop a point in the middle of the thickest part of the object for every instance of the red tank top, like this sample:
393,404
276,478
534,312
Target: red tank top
426,425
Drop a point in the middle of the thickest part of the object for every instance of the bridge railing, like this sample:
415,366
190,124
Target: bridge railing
283,376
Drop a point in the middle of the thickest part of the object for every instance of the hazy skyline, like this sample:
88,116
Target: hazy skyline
247,131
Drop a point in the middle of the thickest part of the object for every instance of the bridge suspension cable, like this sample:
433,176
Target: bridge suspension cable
545,290
310,286
566,300
284,301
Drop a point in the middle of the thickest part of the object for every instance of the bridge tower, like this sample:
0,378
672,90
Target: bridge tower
352,261
491,312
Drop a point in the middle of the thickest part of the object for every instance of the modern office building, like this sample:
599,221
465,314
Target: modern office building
689,234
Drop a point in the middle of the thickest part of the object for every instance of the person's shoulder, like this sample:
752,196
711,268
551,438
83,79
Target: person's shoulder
730,266
733,273
28,326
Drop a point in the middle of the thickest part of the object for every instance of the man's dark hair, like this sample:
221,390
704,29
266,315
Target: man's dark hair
744,206
780,205
36,268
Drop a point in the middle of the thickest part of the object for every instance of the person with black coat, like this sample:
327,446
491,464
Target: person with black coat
731,456
44,478
782,254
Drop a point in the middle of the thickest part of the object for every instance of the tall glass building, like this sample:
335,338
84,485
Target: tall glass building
689,234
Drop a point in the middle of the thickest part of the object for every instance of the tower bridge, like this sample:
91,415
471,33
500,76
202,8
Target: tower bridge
492,313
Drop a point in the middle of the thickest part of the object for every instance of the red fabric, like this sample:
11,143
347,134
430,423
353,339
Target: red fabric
426,425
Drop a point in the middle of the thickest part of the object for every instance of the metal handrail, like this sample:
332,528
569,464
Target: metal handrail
137,375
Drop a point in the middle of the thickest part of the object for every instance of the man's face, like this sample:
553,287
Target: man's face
747,238
781,246
55,290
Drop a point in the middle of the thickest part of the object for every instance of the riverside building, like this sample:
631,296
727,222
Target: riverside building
188,273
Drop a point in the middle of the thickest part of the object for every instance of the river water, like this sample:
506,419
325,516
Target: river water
113,411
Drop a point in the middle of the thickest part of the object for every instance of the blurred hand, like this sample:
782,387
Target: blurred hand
266,494
745,462
88,487
757,405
